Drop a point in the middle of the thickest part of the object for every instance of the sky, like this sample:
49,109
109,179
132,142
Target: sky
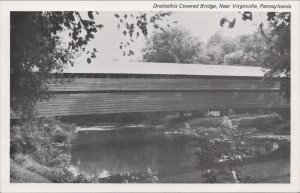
200,24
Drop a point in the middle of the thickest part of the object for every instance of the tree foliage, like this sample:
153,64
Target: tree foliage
174,45
277,52
218,46
278,39
278,42
248,54
179,46
38,49
128,22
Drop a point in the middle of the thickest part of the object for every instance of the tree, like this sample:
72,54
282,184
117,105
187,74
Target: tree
174,45
277,39
278,64
37,49
218,46
248,54
278,42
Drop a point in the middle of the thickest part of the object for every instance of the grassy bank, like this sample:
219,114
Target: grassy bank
41,148
19,174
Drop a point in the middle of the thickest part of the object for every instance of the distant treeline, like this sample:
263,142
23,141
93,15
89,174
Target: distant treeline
179,46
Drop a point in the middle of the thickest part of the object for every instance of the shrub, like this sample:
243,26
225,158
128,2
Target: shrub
40,139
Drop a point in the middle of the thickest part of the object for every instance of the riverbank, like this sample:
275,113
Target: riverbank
19,174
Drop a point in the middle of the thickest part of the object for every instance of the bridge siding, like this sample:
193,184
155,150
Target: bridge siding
116,95
123,84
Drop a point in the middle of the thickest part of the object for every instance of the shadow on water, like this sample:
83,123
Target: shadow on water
133,150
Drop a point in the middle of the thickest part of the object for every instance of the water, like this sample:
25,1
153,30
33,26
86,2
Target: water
133,149
103,150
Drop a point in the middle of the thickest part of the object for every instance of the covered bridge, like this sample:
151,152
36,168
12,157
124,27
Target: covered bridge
152,87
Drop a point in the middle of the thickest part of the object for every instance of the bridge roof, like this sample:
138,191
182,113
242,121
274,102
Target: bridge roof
168,68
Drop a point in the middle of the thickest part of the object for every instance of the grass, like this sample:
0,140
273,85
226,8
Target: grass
19,174
27,163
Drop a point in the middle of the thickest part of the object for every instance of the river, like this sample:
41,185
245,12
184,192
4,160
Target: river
177,149
133,149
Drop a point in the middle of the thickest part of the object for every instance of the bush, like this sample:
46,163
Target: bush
40,139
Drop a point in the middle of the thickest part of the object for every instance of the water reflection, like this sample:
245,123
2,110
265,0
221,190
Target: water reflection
133,150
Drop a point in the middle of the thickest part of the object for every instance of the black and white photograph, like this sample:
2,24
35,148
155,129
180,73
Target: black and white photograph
150,97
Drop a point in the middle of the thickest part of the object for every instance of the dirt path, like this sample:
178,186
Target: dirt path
265,172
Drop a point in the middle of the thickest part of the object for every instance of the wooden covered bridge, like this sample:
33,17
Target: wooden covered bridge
153,87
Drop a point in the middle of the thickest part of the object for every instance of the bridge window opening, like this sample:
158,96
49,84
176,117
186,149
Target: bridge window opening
118,75
72,76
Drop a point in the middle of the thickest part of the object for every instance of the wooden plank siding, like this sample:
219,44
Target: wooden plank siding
125,84
85,96
102,103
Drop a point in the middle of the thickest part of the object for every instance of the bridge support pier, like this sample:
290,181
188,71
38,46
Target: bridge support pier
181,114
224,112
198,114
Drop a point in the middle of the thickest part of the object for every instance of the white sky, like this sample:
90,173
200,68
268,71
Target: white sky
200,24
